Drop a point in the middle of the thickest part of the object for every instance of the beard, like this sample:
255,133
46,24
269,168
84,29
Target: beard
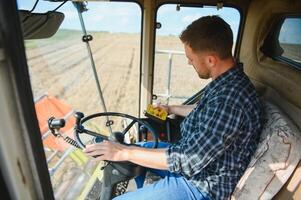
204,76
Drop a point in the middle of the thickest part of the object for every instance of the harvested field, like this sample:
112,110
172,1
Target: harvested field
60,66
292,51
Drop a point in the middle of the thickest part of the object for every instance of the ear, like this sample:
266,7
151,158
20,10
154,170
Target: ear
211,61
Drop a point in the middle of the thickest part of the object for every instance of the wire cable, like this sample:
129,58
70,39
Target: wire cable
60,6
34,6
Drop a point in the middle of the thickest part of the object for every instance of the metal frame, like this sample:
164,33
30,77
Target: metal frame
23,163
168,94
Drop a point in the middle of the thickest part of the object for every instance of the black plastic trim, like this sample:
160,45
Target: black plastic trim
3,187
288,61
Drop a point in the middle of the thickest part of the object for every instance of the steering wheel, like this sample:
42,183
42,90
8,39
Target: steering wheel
115,136
116,174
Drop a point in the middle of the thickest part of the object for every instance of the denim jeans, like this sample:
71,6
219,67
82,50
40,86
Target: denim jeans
171,187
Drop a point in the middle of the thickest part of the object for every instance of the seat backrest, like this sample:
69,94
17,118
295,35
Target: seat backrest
277,155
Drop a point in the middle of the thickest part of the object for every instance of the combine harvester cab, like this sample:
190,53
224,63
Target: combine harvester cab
106,62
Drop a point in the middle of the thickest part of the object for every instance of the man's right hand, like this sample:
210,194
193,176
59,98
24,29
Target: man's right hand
164,107
181,110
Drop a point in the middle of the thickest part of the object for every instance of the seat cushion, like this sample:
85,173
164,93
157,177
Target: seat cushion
275,159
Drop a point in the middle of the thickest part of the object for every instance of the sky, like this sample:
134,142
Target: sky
290,31
126,17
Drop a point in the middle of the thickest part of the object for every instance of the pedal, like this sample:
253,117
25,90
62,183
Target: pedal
156,113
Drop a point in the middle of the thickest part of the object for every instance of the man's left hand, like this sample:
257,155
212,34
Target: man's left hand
107,150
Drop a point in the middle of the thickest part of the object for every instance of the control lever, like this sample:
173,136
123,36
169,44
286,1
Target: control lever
79,128
55,125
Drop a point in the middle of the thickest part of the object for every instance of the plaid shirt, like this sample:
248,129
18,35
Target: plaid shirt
219,136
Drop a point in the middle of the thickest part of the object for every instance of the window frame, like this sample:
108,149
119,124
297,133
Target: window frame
193,98
272,40
15,46
282,58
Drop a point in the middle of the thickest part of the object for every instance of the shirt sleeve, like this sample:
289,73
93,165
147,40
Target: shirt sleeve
218,125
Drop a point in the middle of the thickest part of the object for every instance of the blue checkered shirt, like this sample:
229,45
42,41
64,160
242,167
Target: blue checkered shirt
219,135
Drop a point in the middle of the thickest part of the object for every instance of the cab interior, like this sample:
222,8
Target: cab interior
274,69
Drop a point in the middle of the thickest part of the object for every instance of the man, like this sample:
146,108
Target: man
219,134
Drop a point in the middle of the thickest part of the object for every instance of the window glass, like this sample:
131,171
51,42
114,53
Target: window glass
62,82
174,80
290,39
60,65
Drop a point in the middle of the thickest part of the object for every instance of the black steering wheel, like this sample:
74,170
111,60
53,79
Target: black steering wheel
117,136
116,174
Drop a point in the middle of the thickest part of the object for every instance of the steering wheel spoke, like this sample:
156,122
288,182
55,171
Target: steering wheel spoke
92,133
128,127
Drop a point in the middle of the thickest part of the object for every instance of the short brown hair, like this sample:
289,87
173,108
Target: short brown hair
210,33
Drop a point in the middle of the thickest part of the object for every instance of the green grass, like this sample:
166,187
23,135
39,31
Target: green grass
59,36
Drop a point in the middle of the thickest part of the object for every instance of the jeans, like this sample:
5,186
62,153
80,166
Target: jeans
171,187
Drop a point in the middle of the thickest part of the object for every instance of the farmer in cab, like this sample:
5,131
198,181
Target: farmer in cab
218,135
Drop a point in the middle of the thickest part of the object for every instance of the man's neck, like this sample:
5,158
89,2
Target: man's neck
221,67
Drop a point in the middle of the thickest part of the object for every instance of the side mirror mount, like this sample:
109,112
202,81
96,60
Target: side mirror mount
40,25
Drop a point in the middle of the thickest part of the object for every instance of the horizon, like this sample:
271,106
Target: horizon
125,17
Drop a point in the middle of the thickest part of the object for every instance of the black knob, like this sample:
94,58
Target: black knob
78,116
56,123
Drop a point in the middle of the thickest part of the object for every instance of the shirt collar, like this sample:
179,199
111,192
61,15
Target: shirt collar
238,68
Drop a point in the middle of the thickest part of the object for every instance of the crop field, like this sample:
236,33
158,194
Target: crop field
291,51
60,66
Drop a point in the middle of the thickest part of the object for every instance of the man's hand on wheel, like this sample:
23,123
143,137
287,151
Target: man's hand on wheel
111,151
107,150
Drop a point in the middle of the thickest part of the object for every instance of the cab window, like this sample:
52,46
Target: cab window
60,65
63,82
290,41
174,80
